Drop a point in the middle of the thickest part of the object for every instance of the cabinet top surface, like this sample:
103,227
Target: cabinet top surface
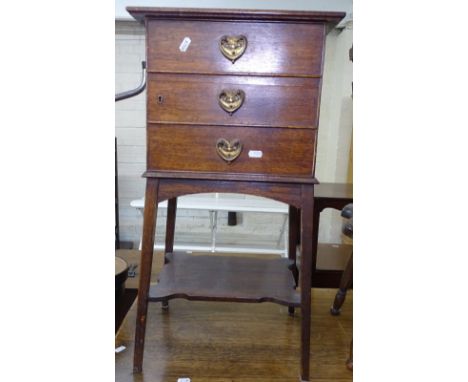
141,13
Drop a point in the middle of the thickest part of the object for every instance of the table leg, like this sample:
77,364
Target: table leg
293,234
307,213
170,225
170,231
149,227
292,246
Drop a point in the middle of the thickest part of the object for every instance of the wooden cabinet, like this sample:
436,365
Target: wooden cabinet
232,106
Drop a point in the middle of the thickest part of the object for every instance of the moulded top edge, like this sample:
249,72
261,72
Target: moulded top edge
141,13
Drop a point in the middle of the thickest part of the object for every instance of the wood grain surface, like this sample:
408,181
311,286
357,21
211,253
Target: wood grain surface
244,15
189,148
237,342
272,48
225,278
269,101
171,188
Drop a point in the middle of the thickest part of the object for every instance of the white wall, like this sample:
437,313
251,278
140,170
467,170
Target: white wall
333,145
336,123
130,121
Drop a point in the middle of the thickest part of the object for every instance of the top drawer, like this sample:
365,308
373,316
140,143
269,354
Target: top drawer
268,48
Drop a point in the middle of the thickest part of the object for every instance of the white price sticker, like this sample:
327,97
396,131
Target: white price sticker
255,154
183,379
120,349
185,44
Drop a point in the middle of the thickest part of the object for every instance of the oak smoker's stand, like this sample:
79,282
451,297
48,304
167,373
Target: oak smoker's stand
184,138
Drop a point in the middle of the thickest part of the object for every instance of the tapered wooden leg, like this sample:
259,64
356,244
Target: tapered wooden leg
305,275
345,283
293,234
170,225
170,231
292,246
149,226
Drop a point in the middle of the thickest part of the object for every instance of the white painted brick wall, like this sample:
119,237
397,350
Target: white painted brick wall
130,119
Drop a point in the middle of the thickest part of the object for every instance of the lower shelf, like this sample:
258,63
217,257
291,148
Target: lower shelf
225,278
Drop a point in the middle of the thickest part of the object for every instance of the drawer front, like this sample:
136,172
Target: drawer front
274,151
268,101
270,48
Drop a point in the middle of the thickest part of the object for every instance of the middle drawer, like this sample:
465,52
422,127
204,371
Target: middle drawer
230,149
252,101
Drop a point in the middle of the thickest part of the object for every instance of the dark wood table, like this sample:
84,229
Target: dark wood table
327,195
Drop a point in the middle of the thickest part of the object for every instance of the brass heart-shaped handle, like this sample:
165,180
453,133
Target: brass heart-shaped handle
230,100
228,150
232,47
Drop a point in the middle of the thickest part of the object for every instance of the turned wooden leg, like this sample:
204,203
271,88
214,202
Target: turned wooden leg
305,275
170,231
149,226
345,283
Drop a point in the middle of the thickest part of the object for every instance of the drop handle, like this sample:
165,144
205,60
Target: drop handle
228,150
231,100
232,47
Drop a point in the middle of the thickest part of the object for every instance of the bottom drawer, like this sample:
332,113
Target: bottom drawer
258,150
